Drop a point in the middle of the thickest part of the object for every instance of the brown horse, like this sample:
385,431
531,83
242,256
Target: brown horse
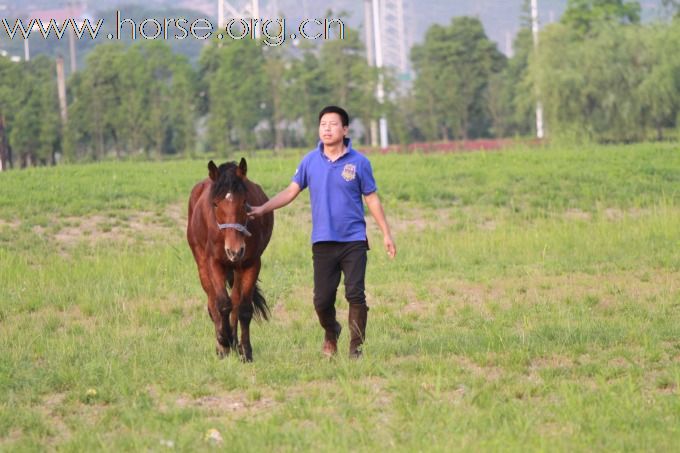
227,249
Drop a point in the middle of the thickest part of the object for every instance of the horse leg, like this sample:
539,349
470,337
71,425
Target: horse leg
204,276
245,312
205,272
237,300
220,308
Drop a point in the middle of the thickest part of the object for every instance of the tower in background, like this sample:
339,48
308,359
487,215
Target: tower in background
395,36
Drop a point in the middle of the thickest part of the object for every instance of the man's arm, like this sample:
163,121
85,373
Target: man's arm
376,210
280,200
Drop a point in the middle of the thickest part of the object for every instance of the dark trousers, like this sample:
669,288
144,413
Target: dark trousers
331,259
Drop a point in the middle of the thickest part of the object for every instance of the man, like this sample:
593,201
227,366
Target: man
337,176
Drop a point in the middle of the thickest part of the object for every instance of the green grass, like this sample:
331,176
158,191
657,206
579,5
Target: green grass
534,305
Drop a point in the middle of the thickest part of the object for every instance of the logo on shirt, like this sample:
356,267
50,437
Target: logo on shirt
349,172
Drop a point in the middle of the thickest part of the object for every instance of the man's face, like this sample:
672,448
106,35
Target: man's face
331,130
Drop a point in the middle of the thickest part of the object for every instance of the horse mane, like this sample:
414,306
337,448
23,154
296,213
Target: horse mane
227,181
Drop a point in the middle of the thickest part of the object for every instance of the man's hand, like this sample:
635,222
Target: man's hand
390,246
376,209
280,200
256,211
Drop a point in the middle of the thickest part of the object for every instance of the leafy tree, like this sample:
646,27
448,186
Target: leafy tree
35,134
277,72
510,94
587,15
453,67
132,100
237,94
11,76
133,114
659,91
168,98
351,81
96,107
615,86
308,93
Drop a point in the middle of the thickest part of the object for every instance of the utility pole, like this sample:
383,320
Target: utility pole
72,40
370,57
539,104
377,34
61,90
255,11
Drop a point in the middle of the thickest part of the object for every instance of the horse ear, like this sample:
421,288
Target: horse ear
243,168
212,170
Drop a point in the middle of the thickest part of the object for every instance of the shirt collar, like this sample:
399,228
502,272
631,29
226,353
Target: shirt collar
348,145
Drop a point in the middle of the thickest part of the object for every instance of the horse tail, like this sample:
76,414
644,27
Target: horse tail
260,308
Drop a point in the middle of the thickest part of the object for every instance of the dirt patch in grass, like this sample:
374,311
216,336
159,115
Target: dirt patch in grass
554,361
577,214
418,219
281,314
618,214
50,412
601,291
54,406
414,304
488,225
13,224
611,214
178,214
375,388
555,429
490,373
234,402
415,219
477,293
99,228
400,224
12,437
380,396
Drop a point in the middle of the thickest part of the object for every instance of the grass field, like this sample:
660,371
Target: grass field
534,305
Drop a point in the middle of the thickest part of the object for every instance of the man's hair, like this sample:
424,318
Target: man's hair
335,109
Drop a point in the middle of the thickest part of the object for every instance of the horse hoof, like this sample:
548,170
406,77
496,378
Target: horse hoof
221,351
246,357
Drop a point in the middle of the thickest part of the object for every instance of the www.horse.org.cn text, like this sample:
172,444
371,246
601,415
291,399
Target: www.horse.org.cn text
272,32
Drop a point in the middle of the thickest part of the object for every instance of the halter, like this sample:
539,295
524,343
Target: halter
236,226
243,229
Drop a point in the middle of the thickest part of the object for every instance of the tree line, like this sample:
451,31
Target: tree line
600,74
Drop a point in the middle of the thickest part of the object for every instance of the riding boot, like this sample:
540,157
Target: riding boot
357,328
332,329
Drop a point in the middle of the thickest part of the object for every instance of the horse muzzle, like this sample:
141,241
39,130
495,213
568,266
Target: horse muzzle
235,255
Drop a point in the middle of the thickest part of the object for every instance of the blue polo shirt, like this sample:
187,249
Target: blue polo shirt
335,190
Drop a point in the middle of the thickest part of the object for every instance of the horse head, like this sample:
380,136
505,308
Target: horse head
228,197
